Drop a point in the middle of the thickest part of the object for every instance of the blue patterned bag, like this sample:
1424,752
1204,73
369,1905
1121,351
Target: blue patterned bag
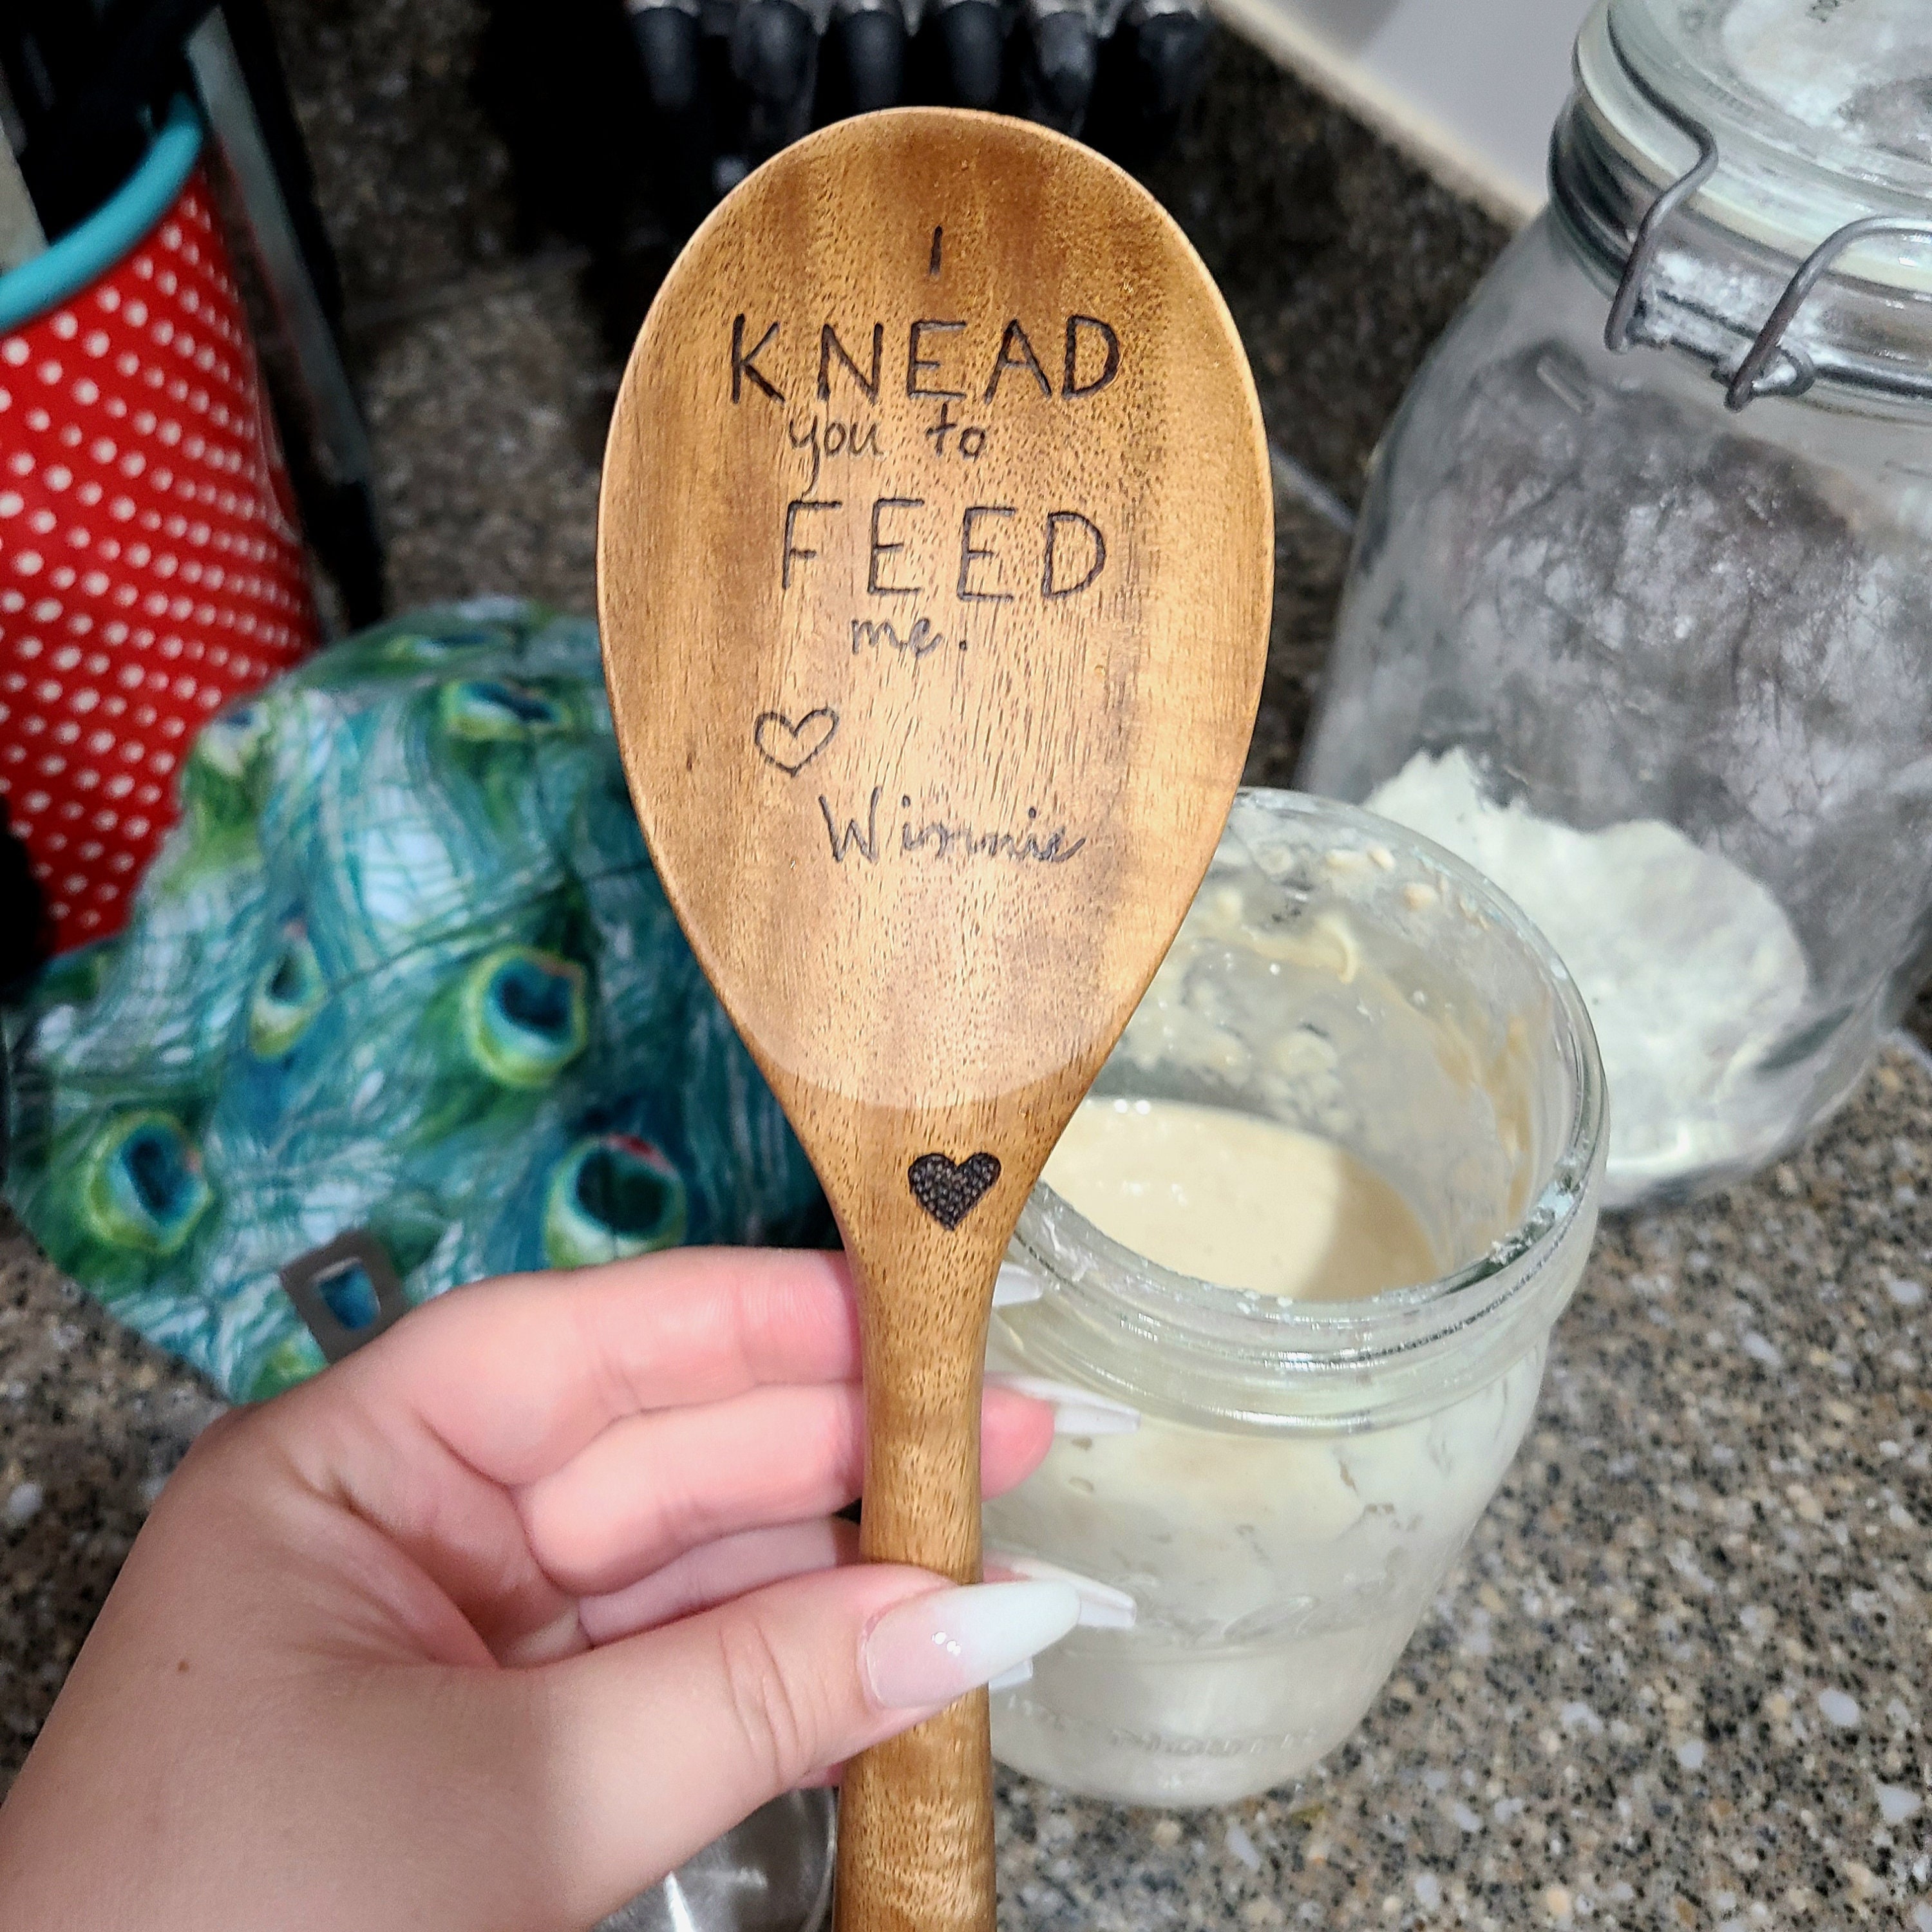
401,1005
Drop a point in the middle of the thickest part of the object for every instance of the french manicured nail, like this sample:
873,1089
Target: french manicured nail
939,1646
1015,1286
1012,1680
1076,1411
1101,1606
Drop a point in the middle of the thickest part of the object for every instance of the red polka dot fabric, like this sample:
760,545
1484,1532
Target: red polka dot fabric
151,568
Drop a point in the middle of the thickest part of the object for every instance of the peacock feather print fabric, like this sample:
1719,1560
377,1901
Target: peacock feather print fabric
403,969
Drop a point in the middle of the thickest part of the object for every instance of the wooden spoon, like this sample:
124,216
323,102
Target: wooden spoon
934,564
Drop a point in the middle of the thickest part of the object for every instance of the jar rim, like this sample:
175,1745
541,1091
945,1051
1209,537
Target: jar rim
1780,181
1775,294
1185,1313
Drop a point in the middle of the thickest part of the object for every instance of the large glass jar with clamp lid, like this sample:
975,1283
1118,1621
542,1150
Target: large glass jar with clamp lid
1639,619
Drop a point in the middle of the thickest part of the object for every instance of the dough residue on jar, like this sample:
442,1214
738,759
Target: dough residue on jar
1238,1200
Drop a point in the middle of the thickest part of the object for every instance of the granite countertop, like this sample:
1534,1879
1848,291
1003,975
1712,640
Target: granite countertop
1675,1682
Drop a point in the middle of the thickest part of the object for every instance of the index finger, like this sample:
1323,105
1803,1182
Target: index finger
516,1375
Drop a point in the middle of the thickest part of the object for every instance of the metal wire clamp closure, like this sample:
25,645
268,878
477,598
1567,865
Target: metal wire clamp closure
1749,382
1650,231
1750,379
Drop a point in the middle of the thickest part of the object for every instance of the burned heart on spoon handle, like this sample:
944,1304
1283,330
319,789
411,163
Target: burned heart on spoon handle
950,1190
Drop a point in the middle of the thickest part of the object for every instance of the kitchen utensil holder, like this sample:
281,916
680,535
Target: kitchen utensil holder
151,568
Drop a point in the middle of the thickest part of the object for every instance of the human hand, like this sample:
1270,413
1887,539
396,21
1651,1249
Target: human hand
503,1618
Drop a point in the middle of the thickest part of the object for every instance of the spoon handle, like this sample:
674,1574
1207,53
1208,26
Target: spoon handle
916,1829
915,1814
927,1203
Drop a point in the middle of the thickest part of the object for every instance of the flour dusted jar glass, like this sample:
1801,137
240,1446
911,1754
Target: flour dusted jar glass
1362,1099
1640,619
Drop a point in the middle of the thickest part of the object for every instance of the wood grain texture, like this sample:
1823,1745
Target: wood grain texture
934,563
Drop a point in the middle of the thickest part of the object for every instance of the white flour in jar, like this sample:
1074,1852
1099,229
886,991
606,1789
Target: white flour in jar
1690,970
1860,72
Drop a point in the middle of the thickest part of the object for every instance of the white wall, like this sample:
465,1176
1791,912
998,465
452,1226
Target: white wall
1472,86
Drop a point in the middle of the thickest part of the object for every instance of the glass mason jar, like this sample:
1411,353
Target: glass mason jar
1647,636
1304,1471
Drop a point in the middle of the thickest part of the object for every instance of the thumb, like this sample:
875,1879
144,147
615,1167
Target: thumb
656,1744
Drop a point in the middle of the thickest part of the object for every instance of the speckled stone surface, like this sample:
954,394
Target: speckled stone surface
1675,1683
1679,1679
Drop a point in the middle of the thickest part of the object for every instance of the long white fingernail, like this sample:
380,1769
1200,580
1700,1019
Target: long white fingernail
1015,1286
938,1647
1012,1680
1101,1606
1076,1411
